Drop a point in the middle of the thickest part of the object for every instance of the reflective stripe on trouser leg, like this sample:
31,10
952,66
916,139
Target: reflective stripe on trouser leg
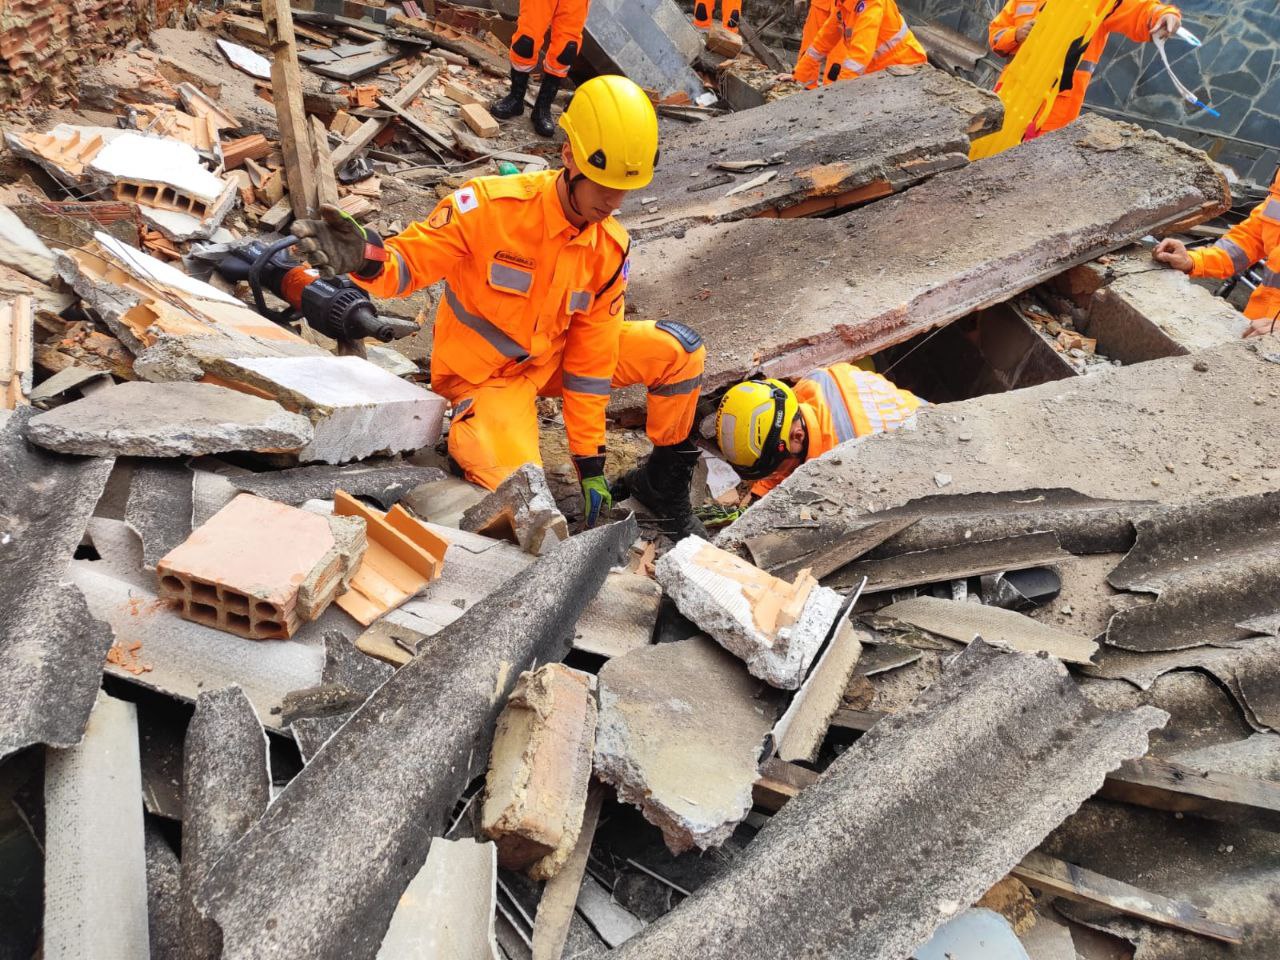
673,376
495,426
535,19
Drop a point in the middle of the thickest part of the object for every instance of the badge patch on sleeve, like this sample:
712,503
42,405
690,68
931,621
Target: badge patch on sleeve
441,217
466,199
626,270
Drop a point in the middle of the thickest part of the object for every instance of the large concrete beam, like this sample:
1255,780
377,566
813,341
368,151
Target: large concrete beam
785,296
1168,430
913,823
320,874
844,144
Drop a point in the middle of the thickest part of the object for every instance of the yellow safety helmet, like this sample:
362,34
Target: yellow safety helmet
753,426
613,132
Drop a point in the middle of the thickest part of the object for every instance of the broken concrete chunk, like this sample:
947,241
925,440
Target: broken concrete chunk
51,647
539,769
521,510
402,759
226,785
354,672
650,41
22,248
95,875
260,569
168,420
447,911
964,622
164,894
357,408
774,626
679,736
905,828
802,728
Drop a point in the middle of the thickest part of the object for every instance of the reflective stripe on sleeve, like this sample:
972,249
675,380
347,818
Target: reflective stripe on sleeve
1239,259
892,42
492,335
835,403
402,274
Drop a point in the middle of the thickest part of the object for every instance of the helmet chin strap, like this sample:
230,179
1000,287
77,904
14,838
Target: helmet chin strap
570,184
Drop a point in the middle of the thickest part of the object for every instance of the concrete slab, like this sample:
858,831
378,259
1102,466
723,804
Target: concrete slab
160,506
163,895
226,785
521,510
916,820
358,409
383,481
51,646
964,622
679,736
1131,433
95,875
841,145
965,239
304,882
169,420
356,674
447,911
775,627
650,41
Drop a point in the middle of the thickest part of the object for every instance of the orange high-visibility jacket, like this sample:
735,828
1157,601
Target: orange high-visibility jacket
1256,239
522,287
875,36
842,402
1133,18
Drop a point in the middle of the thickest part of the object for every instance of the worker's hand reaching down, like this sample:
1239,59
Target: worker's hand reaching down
1023,31
1262,326
334,244
1172,253
1166,26
597,499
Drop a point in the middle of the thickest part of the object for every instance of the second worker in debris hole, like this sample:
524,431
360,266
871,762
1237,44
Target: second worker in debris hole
535,269
565,20
873,35
766,429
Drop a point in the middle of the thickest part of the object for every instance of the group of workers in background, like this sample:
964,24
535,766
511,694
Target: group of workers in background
535,269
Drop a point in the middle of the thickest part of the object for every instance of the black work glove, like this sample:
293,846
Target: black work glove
334,244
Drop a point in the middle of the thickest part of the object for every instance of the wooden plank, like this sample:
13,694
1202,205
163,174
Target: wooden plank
1051,875
16,359
560,895
449,39
278,217
432,134
479,120
371,128
322,164
1161,785
779,782
286,92
859,720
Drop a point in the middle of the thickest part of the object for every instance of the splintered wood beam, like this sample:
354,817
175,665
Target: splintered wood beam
368,130
322,164
1161,785
1050,875
286,92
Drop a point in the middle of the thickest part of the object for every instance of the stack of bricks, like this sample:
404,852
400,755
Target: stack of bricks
44,43
260,569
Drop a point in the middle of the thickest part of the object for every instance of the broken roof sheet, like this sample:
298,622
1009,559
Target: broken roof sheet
1108,435
965,239
1212,564
841,144
51,647
905,829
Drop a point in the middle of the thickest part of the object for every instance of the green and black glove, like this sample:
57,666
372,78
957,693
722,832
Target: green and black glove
596,498
335,244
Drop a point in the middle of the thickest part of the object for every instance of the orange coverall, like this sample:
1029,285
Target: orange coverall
842,402
1255,239
564,18
819,11
730,14
533,307
1133,18
874,34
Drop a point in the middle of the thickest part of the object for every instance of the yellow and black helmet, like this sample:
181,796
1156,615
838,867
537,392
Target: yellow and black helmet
753,426
613,132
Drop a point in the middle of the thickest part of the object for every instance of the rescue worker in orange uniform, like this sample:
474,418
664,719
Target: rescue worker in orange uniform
535,268
730,14
819,12
874,35
1139,20
1255,240
766,429
565,19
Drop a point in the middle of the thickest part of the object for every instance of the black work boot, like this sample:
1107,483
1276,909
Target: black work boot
542,122
662,483
512,105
